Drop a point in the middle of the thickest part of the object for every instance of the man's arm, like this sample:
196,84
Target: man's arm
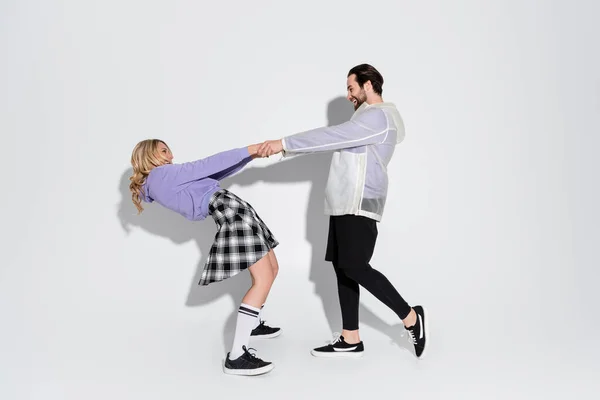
370,127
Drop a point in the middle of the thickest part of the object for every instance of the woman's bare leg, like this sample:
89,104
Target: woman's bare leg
274,263
262,280
248,313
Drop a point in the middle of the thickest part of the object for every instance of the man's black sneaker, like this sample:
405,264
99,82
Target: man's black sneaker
417,334
339,348
246,364
263,331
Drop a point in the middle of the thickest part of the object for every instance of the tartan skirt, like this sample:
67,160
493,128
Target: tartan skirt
241,240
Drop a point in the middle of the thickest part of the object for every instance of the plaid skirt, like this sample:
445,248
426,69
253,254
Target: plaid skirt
242,238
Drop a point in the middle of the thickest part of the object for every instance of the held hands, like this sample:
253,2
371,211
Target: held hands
265,149
253,150
270,147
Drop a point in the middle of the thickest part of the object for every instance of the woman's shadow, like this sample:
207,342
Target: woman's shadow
313,168
159,221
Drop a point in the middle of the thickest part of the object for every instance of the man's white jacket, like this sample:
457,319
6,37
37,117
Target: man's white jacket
362,149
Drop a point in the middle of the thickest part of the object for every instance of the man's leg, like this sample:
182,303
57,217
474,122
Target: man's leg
349,295
358,236
380,287
348,344
348,290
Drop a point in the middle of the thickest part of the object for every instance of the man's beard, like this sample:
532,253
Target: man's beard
358,101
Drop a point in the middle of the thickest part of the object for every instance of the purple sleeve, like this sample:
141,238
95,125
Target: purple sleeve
209,166
231,170
370,127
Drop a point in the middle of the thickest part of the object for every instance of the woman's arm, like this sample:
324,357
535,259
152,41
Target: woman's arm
209,166
252,150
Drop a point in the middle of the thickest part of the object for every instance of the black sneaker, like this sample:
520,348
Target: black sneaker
246,364
417,334
263,331
339,348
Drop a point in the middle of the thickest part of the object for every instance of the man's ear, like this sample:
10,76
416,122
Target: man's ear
368,86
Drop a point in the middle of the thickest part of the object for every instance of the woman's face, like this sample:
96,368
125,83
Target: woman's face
165,153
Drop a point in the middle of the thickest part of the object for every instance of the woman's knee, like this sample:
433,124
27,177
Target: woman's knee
262,273
274,263
275,270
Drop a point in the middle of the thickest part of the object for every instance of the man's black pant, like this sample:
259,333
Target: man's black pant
350,246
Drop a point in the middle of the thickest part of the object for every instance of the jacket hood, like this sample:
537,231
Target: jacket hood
390,109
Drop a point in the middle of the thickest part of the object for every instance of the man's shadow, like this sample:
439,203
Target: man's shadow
313,168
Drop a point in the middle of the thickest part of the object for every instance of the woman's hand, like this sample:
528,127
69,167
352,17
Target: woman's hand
270,147
253,150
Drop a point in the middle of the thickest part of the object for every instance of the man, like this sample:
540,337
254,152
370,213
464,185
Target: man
354,199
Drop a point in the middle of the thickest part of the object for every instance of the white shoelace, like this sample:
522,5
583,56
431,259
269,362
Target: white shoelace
336,338
411,337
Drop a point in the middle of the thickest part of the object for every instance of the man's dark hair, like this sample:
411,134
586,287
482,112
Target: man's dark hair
366,72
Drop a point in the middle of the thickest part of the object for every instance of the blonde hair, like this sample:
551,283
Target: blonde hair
144,158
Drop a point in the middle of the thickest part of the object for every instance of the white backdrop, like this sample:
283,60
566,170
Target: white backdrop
491,220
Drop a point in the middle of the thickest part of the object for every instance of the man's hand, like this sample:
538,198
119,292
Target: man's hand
270,147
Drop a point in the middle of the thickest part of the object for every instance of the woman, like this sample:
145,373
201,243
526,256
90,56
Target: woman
243,241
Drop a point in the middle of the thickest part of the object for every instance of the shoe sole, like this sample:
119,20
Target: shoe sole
426,326
337,354
249,372
269,336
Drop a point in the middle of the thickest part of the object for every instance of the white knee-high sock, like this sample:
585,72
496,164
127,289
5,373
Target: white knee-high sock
246,321
260,314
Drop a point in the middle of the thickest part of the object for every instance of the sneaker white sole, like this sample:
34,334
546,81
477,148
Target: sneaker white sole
269,336
337,354
249,372
426,330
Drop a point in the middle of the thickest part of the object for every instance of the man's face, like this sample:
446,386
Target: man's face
356,95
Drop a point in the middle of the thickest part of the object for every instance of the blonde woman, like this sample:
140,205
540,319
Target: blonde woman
242,241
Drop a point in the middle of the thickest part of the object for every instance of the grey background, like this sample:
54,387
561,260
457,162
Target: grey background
492,217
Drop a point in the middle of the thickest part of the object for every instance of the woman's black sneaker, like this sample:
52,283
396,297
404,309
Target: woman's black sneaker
263,331
247,364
